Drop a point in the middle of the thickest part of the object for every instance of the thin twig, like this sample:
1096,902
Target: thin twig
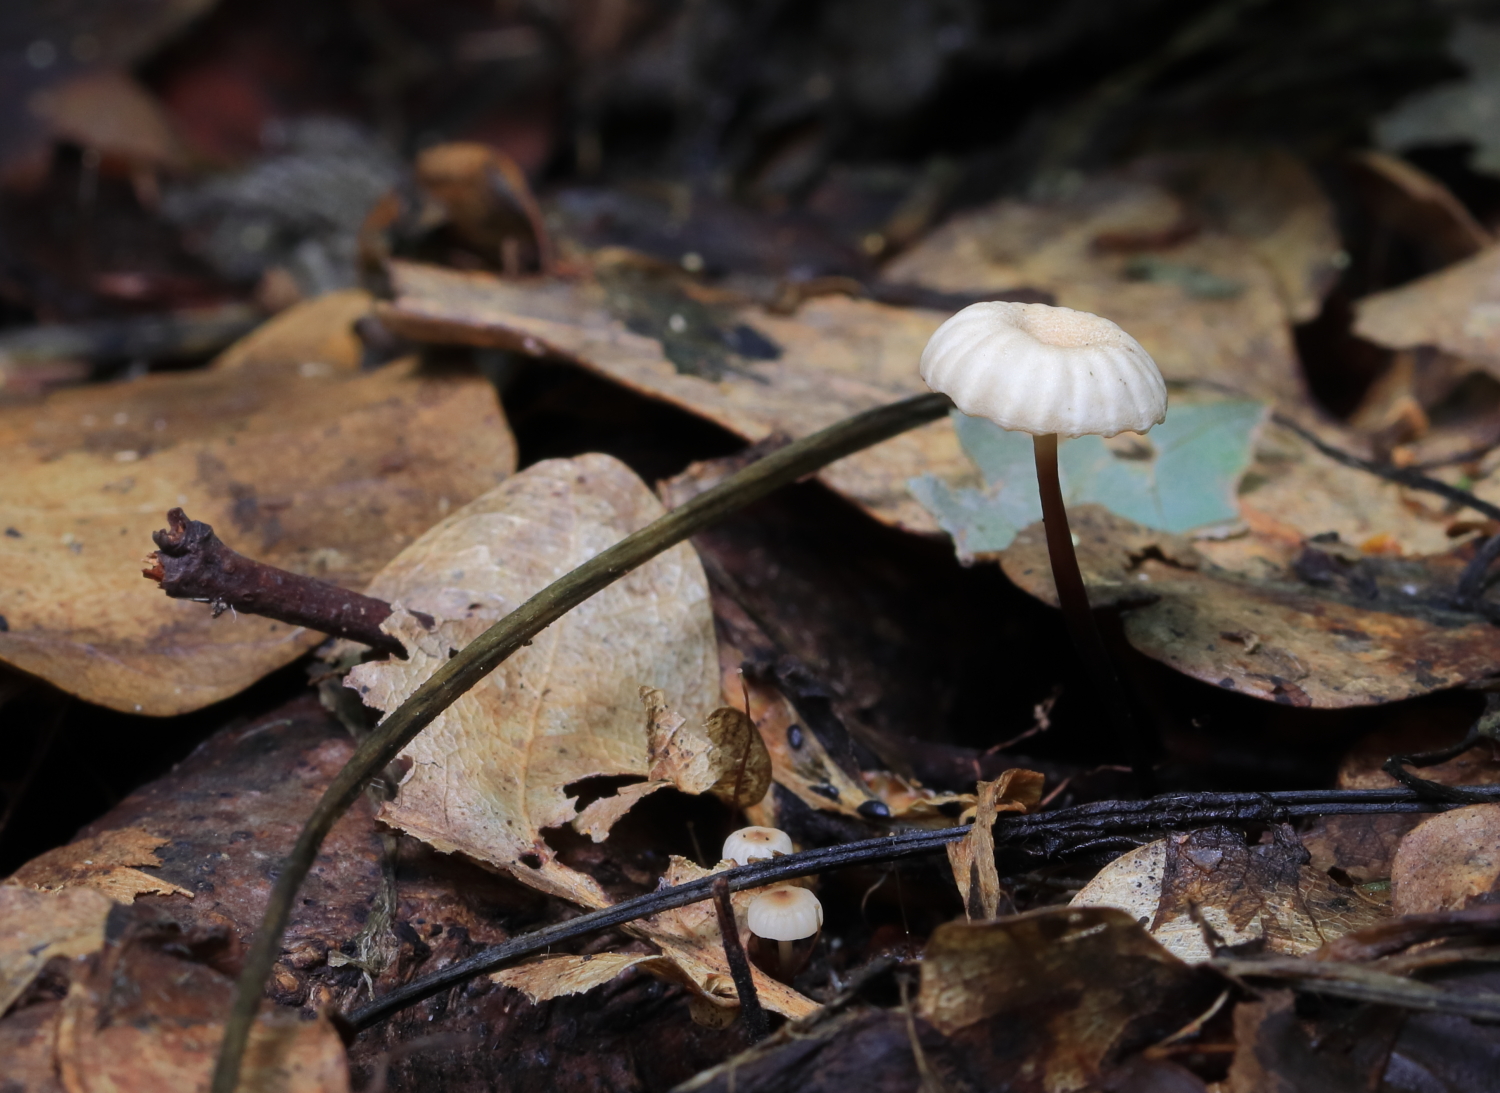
485,653
1362,984
194,564
739,964
1043,836
1405,476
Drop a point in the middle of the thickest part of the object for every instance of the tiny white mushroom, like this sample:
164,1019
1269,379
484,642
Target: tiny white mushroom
1052,371
785,916
750,844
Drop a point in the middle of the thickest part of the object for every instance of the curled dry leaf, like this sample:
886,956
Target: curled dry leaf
103,862
489,775
724,756
1448,861
297,457
1209,297
1243,893
41,925
972,858
1054,996
1339,629
834,357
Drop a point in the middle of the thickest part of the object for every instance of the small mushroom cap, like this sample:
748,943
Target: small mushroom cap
785,914
750,844
1040,369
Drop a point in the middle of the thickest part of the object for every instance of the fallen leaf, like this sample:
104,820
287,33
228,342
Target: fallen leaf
551,977
28,1044
1183,475
145,1022
837,356
1206,304
1263,893
489,775
1417,206
1456,310
298,458
1339,630
103,862
41,925
1274,1053
1448,861
972,858
1052,997
723,756
111,113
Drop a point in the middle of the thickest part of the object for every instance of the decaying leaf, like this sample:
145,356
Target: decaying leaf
1052,997
490,774
1275,1053
1183,475
550,977
723,756
103,862
1210,297
1448,861
297,457
1264,892
838,356
114,1035
40,925
1341,629
972,858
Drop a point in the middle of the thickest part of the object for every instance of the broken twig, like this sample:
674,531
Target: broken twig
1116,825
194,564
739,964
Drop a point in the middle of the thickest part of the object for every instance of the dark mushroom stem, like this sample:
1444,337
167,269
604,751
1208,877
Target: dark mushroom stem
1073,598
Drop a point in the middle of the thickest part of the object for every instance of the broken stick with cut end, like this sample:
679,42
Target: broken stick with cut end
194,564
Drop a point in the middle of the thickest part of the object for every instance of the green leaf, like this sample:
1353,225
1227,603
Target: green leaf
1183,475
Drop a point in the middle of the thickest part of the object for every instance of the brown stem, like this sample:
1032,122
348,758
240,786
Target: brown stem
194,564
739,964
1073,598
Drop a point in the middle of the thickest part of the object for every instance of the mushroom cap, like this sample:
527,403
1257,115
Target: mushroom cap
785,914
750,844
1040,369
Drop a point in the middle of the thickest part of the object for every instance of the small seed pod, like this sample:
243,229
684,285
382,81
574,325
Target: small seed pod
784,927
750,844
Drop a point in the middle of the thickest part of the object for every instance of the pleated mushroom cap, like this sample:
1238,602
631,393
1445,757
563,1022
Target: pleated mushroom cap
785,914
1040,369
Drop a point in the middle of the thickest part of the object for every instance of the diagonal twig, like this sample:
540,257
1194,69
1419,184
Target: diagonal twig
739,963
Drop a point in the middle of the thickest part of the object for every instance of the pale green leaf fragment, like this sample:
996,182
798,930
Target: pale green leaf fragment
1182,476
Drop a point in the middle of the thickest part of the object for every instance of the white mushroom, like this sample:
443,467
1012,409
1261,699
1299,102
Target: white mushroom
1053,371
750,844
785,916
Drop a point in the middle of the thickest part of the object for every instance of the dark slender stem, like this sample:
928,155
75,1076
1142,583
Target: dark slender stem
491,648
1073,598
1471,583
1044,836
194,564
739,964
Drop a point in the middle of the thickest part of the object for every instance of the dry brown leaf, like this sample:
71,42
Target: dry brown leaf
1206,304
1456,310
28,1045
116,1036
111,113
487,776
1274,635
1244,893
972,858
838,357
1052,997
102,862
296,458
551,977
1448,861
723,756
36,926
